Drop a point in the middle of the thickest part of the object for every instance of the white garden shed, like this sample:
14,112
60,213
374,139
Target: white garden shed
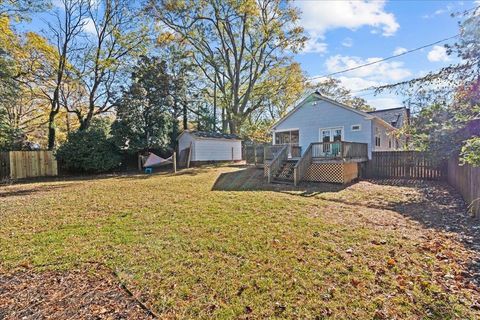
209,146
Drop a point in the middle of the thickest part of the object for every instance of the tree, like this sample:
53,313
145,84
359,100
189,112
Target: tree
66,31
235,43
26,64
144,119
116,37
20,9
333,88
277,94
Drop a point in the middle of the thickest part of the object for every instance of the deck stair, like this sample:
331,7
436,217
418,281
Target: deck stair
335,161
285,172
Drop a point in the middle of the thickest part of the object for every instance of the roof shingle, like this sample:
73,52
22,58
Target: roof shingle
214,135
397,117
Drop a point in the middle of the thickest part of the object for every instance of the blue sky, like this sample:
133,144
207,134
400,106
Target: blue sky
346,34
349,33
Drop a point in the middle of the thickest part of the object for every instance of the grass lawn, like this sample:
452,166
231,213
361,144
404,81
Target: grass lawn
219,243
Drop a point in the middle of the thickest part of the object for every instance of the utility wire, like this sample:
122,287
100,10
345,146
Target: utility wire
394,56
384,59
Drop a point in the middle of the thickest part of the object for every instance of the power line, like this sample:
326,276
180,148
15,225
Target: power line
384,59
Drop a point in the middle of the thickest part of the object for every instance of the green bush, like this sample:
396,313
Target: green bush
89,152
470,153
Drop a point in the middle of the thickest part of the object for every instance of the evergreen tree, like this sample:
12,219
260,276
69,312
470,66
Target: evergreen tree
144,120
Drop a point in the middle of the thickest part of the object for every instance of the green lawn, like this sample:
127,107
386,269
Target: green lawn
194,245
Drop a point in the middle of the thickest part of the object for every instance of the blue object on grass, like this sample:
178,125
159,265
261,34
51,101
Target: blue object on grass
148,170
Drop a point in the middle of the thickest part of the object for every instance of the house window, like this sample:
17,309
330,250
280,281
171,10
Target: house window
356,127
390,143
287,137
377,137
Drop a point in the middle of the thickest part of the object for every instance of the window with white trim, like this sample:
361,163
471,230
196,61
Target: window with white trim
377,137
356,127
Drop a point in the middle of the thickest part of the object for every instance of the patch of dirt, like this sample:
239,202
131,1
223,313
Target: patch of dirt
77,294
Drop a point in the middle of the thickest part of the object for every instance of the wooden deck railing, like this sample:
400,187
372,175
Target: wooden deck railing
294,150
302,165
277,161
339,150
270,151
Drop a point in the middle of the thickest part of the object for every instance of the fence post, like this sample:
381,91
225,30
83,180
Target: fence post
174,158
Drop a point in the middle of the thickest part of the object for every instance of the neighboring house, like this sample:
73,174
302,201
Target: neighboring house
321,139
204,147
321,119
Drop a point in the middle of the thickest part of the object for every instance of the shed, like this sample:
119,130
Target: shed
209,147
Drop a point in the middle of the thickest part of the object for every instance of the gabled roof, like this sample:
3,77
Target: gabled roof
210,135
397,117
319,96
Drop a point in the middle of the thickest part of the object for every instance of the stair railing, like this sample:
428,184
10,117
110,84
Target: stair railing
276,162
302,165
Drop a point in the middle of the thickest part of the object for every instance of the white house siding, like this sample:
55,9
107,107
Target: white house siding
217,150
184,142
313,115
385,134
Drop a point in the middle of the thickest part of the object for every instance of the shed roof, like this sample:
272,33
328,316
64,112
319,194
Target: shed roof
211,135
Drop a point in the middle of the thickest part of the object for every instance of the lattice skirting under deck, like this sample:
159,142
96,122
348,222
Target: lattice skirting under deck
332,172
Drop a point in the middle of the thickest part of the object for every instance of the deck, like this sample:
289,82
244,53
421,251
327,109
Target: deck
321,161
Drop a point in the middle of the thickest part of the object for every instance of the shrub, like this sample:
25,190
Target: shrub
88,151
470,153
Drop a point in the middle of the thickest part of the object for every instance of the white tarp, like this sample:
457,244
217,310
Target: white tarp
154,161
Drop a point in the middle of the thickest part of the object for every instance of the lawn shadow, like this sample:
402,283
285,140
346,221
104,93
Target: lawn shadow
252,179
30,191
122,175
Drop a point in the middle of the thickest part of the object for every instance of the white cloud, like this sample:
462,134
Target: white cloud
347,42
355,84
382,71
318,17
89,26
399,50
314,45
437,54
385,102
448,8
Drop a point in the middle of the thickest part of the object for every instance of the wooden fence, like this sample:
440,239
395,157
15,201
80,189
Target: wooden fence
466,180
254,153
27,164
404,165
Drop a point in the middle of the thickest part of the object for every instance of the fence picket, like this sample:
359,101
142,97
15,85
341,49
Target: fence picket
404,165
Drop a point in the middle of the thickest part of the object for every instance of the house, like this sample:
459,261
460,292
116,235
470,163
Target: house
322,135
197,147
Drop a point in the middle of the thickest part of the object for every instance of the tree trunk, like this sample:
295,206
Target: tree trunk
51,129
233,126
224,121
185,114
85,123
214,129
